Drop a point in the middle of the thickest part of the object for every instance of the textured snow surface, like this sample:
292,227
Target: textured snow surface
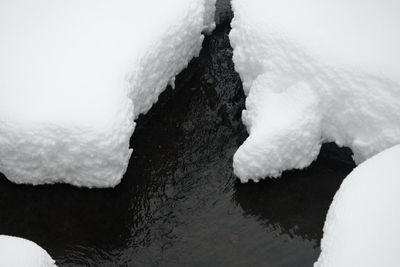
19,252
74,75
314,72
362,225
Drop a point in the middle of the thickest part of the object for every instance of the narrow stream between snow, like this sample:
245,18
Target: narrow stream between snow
179,203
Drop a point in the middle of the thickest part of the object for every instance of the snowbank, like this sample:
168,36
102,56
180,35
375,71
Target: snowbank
314,72
19,252
75,74
362,226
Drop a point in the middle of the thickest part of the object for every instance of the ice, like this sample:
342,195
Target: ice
19,252
362,225
314,72
74,75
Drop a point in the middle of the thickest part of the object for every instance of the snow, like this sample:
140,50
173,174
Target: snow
362,225
74,75
315,72
19,252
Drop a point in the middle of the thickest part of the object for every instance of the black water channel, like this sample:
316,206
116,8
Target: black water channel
179,203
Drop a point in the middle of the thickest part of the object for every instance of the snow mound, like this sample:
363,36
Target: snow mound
19,252
362,225
314,72
74,75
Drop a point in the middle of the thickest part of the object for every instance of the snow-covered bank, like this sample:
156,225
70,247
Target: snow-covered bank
362,225
19,252
313,72
75,74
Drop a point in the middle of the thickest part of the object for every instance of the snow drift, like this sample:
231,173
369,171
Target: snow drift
19,252
314,72
362,226
74,75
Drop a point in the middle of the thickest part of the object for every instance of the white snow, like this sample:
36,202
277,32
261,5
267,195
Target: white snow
362,225
314,72
19,252
75,74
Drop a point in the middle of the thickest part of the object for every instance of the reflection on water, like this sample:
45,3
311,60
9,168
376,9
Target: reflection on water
296,203
179,203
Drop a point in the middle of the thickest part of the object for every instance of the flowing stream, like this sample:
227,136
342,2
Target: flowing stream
179,203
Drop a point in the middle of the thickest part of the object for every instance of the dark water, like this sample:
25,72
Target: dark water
179,203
